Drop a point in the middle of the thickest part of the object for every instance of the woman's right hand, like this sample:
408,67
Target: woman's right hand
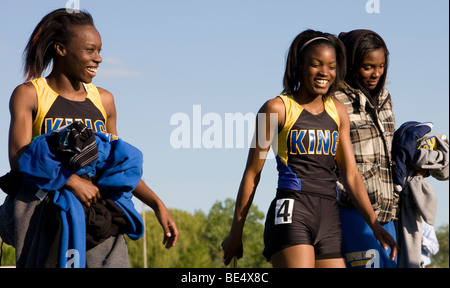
232,246
385,240
83,189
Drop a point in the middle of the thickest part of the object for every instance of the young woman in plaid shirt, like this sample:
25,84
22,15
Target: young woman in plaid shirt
372,126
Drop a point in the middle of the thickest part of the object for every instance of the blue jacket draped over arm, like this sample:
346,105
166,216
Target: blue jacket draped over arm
119,170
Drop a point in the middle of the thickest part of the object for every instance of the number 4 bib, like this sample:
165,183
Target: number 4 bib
283,211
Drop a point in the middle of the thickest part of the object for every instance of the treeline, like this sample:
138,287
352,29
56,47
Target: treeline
199,243
201,235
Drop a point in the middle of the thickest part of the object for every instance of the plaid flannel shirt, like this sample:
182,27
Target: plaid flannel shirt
371,132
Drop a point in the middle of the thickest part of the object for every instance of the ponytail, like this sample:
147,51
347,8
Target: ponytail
53,28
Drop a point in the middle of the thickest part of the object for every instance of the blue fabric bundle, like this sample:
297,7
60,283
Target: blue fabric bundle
118,170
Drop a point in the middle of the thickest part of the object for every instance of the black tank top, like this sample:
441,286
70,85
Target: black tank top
306,149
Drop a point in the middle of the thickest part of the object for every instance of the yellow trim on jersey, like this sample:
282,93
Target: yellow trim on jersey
94,96
332,111
293,111
46,97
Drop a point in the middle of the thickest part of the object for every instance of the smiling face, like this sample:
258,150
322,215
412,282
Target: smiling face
318,70
81,54
372,68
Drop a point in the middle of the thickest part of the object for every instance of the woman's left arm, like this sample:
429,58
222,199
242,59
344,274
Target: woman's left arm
146,195
354,185
142,191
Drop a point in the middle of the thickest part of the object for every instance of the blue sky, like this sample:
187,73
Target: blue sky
164,57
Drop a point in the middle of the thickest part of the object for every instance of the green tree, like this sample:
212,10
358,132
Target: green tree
190,250
441,258
218,226
200,239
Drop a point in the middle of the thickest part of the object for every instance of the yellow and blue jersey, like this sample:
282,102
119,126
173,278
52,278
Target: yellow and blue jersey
55,111
307,146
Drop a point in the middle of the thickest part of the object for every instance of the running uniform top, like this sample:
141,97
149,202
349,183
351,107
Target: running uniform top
55,111
306,150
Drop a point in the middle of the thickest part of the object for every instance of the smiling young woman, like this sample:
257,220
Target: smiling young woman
80,57
369,104
302,226
72,44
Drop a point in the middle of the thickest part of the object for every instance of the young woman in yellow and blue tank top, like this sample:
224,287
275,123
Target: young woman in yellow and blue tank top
72,43
312,140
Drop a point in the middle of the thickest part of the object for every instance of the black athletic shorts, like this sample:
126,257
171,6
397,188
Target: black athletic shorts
297,218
